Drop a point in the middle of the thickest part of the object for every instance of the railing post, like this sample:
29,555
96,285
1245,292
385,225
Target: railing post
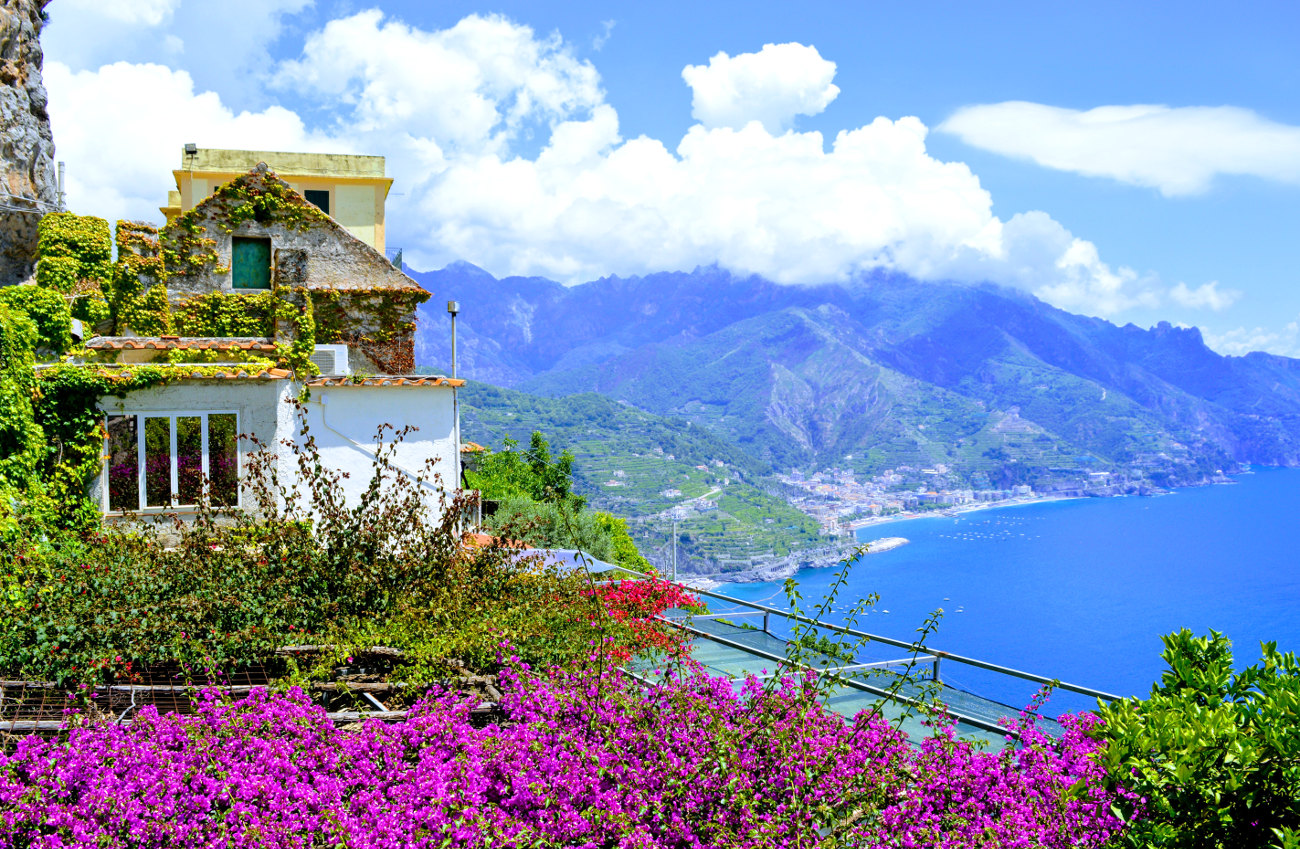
935,675
766,618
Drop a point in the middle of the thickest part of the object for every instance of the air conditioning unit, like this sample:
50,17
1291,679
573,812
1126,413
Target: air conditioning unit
331,359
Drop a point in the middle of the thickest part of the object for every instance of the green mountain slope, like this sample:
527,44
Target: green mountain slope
652,469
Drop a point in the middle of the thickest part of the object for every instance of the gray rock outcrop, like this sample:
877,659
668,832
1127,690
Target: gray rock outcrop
28,183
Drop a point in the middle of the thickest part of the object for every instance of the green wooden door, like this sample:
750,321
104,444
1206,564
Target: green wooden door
250,263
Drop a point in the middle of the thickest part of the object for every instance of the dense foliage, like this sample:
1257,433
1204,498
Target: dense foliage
1215,754
48,310
535,503
583,760
229,589
21,441
74,258
530,473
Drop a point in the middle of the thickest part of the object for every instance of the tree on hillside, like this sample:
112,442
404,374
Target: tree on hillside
531,473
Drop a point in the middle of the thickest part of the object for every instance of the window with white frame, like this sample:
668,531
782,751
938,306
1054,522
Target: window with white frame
160,460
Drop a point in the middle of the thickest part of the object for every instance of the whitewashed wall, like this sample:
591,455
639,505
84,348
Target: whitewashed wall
345,419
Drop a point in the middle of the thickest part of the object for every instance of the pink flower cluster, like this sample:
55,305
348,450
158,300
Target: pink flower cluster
581,761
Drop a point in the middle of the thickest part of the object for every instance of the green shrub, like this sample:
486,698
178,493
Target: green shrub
530,473
229,589
622,549
545,524
1216,755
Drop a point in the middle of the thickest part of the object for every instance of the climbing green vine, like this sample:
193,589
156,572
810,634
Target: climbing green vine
48,311
138,301
226,314
70,248
262,200
22,443
365,315
296,331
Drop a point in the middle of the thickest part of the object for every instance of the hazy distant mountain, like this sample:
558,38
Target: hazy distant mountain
886,369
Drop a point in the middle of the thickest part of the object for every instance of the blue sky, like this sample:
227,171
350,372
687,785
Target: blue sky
1116,161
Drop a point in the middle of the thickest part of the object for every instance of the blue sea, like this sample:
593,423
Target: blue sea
1081,590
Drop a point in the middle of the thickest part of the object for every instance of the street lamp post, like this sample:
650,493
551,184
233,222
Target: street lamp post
453,307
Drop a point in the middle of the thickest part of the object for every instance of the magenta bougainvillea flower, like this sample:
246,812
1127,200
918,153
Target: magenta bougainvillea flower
582,760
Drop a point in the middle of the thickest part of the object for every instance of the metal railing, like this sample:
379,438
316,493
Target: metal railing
921,652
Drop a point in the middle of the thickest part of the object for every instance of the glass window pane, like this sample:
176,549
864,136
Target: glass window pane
157,461
123,464
189,459
223,460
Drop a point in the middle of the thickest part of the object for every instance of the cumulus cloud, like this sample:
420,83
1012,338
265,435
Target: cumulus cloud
506,154
122,168
1205,296
772,86
1178,151
1242,340
473,88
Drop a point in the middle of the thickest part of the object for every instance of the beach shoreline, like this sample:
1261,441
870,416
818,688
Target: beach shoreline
951,512
768,574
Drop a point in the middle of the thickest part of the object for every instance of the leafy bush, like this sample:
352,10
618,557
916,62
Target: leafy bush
547,524
1216,755
306,568
623,550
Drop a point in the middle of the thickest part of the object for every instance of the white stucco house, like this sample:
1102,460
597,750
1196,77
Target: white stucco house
334,356
164,443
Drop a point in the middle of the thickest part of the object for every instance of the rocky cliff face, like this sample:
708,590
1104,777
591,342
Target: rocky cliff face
27,176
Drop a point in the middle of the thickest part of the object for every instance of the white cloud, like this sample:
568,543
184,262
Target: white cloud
771,86
606,30
473,87
149,13
1205,296
122,168
453,111
1178,151
1242,340
224,44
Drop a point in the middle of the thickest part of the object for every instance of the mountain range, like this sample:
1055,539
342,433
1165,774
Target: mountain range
879,372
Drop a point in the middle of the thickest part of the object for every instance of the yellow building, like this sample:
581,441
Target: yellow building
350,189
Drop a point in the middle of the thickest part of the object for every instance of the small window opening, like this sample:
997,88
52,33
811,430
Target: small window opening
250,263
320,197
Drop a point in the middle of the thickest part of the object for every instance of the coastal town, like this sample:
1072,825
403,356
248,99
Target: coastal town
841,503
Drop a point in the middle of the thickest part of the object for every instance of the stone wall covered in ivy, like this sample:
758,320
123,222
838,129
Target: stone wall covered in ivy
320,274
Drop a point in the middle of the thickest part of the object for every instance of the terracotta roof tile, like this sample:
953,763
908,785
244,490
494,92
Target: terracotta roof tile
181,343
240,373
250,371
471,448
386,380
